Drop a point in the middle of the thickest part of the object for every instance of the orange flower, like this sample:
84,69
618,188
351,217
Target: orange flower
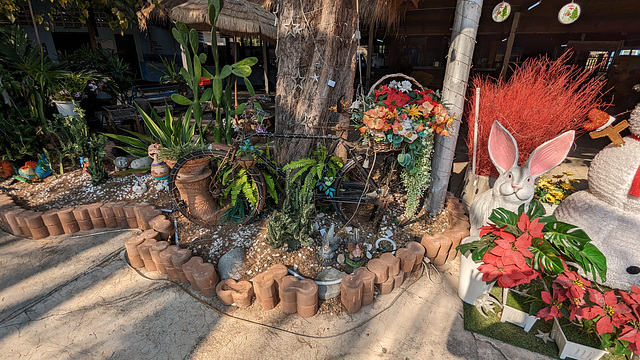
420,127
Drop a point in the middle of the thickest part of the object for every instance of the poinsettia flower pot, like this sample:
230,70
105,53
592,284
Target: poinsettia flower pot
572,349
516,316
470,284
65,108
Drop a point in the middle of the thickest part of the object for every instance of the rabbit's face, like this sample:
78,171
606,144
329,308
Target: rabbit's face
516,186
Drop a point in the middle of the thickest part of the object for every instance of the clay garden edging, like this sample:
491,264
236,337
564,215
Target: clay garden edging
151,251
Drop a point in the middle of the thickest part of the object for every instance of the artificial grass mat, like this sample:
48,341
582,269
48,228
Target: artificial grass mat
513,334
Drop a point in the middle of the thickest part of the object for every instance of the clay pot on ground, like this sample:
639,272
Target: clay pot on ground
194,191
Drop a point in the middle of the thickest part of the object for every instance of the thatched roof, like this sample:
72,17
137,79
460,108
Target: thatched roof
238,17
152,14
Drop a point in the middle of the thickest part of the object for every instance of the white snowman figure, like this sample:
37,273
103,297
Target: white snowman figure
609,211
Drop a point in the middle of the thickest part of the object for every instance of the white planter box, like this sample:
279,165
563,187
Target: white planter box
571,349
470,284
65,108
517,317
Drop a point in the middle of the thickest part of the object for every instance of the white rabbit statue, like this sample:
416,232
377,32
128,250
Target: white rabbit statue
516,184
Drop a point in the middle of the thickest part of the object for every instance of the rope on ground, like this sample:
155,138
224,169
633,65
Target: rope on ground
206,304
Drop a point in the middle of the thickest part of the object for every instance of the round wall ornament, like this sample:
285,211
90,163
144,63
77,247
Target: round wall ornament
569,13
501,12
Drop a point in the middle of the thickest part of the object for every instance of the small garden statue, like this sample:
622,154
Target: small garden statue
121,163
159,169
330,242
43,168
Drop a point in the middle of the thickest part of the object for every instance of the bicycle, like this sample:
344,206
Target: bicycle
361,189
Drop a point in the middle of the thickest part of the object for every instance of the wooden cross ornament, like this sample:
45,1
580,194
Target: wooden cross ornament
613,132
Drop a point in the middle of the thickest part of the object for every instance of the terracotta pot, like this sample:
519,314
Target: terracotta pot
193,167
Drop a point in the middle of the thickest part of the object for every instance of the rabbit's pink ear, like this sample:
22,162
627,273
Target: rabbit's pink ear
503,149
550,154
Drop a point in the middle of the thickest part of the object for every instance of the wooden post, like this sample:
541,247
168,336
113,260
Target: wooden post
35,25
265,65
459,60
235,59
507,52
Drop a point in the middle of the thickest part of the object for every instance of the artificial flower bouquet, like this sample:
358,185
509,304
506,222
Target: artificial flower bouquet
397,116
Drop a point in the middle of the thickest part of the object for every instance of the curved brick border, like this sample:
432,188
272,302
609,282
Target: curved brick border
151,251
39,225
442,247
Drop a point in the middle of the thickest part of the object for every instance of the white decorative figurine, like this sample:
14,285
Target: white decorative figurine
609,211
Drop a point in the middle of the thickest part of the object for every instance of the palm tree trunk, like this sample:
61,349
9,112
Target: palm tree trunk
459,61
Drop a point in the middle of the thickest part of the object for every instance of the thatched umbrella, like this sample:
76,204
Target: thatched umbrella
237,18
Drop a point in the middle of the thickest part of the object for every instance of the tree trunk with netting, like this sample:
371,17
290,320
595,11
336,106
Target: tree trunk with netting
459,60
316,65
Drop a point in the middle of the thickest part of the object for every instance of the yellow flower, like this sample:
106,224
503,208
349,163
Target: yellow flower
573,180
549,198
557,194
567,186
568,173
413,111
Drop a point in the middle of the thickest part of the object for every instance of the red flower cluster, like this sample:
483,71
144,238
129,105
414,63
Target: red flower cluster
621,319
506,262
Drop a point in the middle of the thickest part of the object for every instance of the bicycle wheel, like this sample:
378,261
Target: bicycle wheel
359,201
222,191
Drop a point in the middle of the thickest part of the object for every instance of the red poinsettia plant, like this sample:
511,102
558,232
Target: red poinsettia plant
518,248
613,314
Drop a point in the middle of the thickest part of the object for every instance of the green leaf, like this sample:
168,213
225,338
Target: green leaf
181,100
546,258
193,41
217,89
239,109
241,71
250,61
203,58
206,74
271,186
503,217
197,69
134,151
247,83
206,95
226,71
128,140
535,209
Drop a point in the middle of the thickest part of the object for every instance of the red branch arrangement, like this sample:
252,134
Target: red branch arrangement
541,100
